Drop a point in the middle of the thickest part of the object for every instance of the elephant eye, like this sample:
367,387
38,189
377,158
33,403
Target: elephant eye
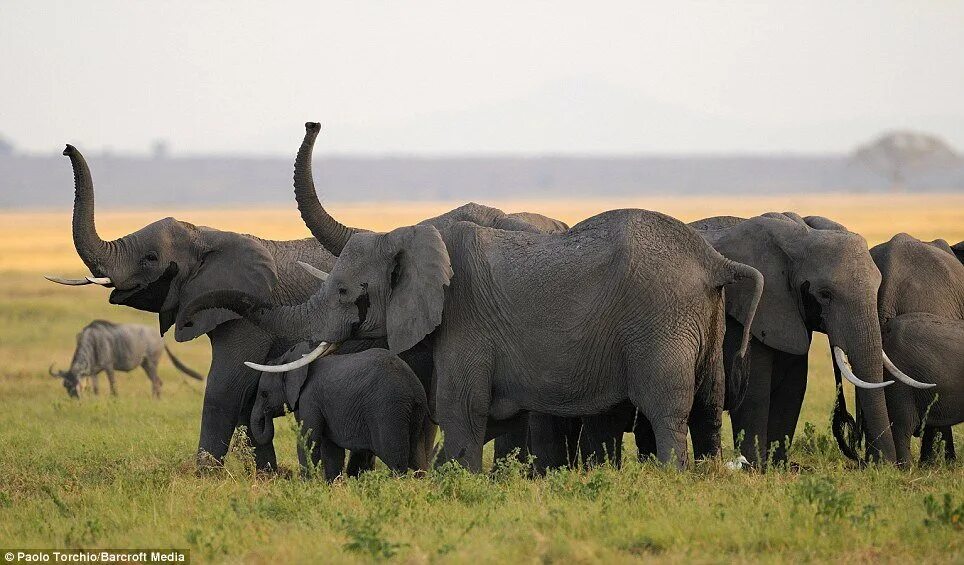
343,291
151,257
825,294
364,287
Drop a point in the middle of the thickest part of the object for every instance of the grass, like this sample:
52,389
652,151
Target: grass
118,472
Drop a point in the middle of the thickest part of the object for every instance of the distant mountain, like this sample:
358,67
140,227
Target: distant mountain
28,181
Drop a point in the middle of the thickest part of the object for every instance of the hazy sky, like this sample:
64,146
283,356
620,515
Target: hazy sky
460,77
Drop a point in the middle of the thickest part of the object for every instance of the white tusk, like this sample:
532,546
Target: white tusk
70,282
901,376
848,372
324,348
102,281
314,271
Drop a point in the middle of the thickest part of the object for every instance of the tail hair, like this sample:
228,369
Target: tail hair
181,366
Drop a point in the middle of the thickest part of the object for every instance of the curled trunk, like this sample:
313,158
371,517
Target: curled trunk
332,234
96,253
262,425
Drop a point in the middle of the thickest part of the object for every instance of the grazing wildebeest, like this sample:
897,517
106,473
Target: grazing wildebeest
105,346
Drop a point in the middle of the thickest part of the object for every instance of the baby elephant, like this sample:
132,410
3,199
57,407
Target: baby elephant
108,347
364,402
931,347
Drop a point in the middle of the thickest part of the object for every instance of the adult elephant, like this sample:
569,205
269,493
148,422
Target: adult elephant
819,277
627,304
165,266
921,310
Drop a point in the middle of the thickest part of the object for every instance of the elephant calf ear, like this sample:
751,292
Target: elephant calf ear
422,270
229,261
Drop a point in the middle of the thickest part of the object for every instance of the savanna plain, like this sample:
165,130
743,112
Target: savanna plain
119,472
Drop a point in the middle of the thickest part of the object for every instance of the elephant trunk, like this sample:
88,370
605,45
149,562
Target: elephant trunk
96,253
290,322
857,333
262,424
332,234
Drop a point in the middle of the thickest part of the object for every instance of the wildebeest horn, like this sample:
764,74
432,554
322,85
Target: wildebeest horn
314,271
901,376
69,282
56,375
324,348
847,371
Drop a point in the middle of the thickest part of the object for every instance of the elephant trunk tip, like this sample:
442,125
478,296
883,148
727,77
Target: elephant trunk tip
69,150
311,127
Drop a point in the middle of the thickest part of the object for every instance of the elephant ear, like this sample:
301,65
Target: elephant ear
228,261
959,251
295,379
420,274
763,243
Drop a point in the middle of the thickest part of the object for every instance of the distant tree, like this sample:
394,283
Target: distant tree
6,148
899,154
160,149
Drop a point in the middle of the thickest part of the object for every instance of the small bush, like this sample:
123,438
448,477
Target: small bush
822,496
365,535
945,513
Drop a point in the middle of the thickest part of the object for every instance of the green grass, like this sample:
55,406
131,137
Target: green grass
118,472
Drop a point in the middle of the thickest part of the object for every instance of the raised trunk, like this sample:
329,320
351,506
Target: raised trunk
96,253
332,234
857,332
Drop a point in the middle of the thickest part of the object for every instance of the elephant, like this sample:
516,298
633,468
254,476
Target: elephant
625,305
104,346
926,278
165,266
929,346
819,277
369,402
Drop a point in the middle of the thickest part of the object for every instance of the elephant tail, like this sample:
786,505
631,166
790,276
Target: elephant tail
739,273
181,366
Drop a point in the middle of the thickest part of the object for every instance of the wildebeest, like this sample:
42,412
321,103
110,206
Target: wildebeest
108,347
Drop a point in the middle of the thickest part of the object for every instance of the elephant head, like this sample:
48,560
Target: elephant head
919,276
70,381
958,249
168,264
819,277
275,391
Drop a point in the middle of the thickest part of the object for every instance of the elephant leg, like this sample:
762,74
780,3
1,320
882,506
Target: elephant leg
645,438
360,461
553,441
463,412
111,381
751,419
229,392
661,386
516,440
786,399
601,438
95,383
332,457
929,439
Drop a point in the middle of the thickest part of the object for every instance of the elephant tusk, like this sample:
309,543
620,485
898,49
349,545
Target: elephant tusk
901,376
102,281
324,348
68,282
314,271
847,371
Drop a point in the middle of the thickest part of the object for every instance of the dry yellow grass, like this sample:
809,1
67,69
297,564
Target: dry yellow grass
35,241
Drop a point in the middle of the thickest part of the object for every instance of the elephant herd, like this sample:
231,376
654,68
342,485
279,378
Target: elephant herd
552,340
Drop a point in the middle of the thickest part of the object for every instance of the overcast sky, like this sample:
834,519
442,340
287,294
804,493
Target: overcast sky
506,77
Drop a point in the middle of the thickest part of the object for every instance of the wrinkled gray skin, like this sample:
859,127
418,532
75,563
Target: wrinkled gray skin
369,402
627,304
106,347
819,277
166,265
921,310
